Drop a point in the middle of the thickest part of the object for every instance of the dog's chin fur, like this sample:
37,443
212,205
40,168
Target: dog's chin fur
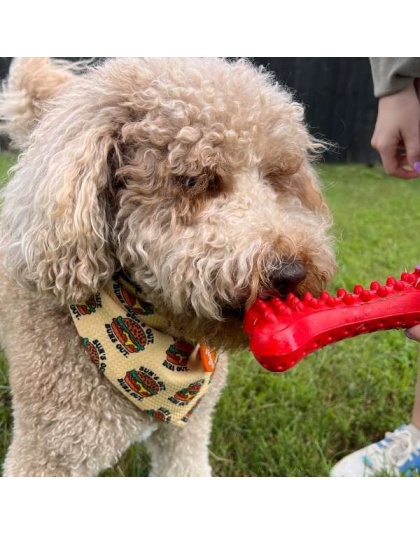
226,334
191,175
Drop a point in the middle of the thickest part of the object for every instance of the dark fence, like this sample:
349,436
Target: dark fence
4,67
338,98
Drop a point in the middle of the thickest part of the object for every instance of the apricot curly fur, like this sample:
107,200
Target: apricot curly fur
194,176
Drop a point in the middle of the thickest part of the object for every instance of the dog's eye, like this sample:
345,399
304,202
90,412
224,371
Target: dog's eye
194,186
188,181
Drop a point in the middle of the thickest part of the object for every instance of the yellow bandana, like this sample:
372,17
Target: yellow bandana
162,375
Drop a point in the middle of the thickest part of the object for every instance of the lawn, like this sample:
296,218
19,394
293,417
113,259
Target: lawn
301,422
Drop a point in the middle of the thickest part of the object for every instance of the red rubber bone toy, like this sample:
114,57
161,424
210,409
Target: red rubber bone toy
283,332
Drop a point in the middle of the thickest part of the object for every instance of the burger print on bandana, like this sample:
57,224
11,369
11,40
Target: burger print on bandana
96,352
185,395
141,383
162,415
163,376
127,294
128,335
91,350
187,416
177,355
87,306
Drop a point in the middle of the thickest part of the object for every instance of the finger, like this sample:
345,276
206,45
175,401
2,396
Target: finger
413,333
412,172
412,146
392,162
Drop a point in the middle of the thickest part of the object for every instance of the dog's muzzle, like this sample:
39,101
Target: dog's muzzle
286,279
282,281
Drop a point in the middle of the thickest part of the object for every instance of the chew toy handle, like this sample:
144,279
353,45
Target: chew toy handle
281,333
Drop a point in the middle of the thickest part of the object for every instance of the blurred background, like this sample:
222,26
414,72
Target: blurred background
337,94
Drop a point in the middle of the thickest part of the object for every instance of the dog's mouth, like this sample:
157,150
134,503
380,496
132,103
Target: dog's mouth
238,312
291,278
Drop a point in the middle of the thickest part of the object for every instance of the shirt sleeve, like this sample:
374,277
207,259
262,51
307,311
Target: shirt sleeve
393,74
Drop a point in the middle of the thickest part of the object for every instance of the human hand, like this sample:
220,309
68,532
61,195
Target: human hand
397,133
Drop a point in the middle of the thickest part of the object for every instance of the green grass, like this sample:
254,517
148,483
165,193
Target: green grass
337,400
6,160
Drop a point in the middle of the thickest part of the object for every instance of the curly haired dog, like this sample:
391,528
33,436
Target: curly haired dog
193,177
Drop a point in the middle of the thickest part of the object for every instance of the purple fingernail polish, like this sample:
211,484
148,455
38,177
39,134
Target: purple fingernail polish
416,166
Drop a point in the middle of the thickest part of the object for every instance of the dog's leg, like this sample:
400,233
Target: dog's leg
68,419
85,450
183,452
74,443
26,458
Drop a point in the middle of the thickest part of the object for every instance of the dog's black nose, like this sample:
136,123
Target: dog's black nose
288,277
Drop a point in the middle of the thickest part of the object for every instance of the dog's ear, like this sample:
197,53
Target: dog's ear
56,228
31,82
306,186
302,182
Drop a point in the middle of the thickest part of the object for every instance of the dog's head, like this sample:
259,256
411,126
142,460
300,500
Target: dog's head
191,175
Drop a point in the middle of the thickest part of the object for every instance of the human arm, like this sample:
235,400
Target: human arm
393,74
397,131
